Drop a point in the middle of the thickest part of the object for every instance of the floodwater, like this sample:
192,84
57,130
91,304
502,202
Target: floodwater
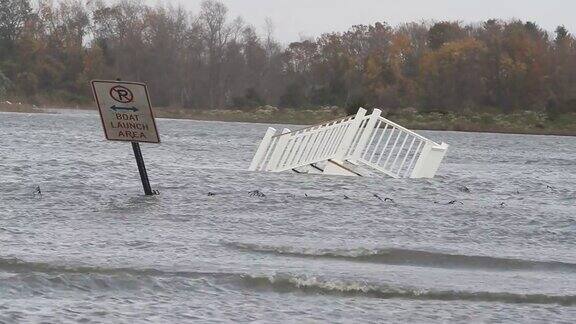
93,249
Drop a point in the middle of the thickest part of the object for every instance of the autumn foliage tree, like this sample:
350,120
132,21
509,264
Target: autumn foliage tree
211,60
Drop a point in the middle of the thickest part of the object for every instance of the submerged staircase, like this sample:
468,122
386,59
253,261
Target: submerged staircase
353,146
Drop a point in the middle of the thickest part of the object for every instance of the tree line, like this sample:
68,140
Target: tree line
209,60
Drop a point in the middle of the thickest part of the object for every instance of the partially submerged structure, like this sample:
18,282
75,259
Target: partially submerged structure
354,146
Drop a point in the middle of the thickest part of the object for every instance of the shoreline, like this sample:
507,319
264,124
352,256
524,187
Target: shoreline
312,117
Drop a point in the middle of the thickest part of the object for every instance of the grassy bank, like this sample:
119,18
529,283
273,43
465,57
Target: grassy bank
270,116
521,122
18,107
526,122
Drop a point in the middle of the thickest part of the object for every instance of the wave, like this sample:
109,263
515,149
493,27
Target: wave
315,286
19,266
392,256
551,161
18,277
21,276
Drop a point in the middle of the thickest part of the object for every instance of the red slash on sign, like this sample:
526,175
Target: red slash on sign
121,94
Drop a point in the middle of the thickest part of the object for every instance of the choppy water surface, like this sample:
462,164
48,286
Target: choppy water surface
94,249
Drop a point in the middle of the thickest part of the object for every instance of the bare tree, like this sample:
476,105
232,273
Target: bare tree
216,33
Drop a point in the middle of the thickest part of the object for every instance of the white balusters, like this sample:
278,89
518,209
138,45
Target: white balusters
278,152
366,134
263,149
392,158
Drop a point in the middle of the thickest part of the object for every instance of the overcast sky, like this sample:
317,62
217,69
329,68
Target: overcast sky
295,18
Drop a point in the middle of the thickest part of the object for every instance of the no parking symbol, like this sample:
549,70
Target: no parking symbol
121,94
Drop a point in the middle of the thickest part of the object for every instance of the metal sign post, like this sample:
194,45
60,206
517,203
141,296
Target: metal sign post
142,169
126,115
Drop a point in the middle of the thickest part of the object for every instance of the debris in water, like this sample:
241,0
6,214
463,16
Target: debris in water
464,189
38,192
452,202
211,194
296,145
257,193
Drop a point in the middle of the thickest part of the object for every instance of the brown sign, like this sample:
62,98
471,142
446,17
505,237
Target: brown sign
125,111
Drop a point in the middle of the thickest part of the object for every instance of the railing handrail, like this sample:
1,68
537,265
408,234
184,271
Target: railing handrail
326,123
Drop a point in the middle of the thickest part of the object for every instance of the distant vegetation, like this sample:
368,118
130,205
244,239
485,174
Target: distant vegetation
206,60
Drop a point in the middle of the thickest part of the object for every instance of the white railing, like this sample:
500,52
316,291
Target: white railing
290,150
371,140
397,151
